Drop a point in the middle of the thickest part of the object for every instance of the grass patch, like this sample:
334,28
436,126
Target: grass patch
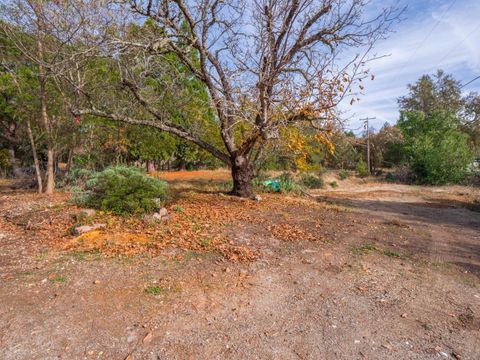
343,174
364,249
59,279
426,327
163,288
205,242
93,255
391,253
334,184
368,248
178,208
42,256
154,290
22,275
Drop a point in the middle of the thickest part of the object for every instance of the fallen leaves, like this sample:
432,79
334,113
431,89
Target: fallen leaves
199,223
289,232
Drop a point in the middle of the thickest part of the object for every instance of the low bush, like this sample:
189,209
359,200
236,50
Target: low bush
311,181
334,184
286,182
343,174
78,177
122,190
362,169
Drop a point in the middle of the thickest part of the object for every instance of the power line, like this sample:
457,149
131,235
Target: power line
459,44
471,81
427,36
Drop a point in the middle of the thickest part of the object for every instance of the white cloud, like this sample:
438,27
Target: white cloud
435,35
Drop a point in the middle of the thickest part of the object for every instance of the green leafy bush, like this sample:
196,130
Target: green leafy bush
287,183
343,174
334,184
311,181
122,190
438,151
362,169
78,177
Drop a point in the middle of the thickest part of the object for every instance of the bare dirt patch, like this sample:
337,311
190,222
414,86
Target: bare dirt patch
373,275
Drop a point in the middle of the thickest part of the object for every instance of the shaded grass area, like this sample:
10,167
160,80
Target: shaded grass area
368,248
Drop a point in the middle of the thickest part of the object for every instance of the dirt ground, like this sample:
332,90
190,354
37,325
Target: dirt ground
366,270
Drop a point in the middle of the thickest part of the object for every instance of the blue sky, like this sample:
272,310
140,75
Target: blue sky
435,34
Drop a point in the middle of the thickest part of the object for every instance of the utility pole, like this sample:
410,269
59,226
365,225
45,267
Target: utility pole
367,127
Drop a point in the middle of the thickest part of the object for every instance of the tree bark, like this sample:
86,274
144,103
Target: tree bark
150,166
50,187
69,161
38,173
46,121
242,173
17,172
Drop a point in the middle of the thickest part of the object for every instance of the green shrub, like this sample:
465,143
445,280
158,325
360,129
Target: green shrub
334,184
122,190
362,169
311,181
286,182
438,152
257,181
440,159
343,174
390,178
78,177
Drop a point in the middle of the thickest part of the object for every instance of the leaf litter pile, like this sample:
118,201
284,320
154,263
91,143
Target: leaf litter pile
198,222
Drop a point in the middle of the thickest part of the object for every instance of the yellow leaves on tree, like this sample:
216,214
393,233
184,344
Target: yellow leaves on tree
302,146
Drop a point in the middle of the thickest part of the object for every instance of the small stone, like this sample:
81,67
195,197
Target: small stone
257,198
444,354
161,215
85,213
404,315
131,338
156,216
79,230
96,282
163,212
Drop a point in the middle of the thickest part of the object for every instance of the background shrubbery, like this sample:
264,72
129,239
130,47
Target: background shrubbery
121,190
362,168
437,151
311,181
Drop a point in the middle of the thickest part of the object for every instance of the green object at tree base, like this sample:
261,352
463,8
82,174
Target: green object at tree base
273,185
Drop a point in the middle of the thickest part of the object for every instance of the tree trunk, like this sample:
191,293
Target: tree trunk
50,187
46,121
69,161
150,166
17,172
38,173
242,173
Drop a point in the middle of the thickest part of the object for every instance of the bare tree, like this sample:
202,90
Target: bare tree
265,64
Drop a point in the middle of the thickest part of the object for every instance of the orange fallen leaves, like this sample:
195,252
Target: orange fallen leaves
198,222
